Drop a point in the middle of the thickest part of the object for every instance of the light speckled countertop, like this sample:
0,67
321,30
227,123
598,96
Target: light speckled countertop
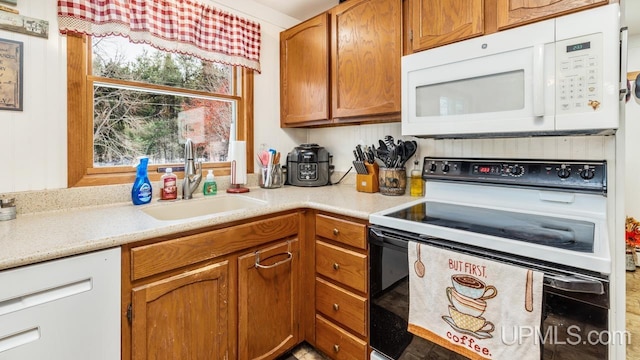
39,236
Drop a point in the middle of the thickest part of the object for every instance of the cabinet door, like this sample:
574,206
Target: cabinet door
517,12
439,22
183,317
304,72
268,305
366,47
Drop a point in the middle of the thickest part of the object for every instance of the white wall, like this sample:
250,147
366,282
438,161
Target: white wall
33,142
33,150
632,163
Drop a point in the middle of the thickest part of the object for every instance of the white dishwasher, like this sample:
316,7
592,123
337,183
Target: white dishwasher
62,309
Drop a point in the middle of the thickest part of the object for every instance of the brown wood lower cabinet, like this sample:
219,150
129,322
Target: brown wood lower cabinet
341,327
268,310
184,316
248,291
338,343
200,295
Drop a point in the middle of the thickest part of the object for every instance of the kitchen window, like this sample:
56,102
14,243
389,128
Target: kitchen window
126,100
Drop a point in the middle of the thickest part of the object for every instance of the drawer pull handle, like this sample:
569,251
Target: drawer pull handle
11,341
336,348
39,297
336,266
336,231
336,307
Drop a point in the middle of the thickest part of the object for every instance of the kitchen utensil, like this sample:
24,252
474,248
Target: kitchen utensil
263,157
410,148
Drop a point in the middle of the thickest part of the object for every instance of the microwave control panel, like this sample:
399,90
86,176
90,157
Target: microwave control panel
579,85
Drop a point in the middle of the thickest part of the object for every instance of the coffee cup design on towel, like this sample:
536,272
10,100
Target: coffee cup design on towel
472,287
467,298
470,323
465,304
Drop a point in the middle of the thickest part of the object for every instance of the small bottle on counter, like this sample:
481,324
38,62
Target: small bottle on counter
210,187
416,184
169,183
141,190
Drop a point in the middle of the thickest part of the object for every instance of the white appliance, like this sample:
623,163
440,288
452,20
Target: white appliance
559,76
547,215
67,309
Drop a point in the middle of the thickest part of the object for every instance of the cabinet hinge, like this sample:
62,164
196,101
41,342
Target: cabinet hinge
129,313
411,35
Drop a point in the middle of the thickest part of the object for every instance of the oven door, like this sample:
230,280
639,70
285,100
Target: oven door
572,302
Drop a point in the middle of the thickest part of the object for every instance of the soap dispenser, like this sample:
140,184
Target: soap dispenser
210,187
141,190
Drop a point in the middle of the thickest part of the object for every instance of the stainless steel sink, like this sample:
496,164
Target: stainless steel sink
185,209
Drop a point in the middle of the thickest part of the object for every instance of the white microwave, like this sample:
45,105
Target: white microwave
559,76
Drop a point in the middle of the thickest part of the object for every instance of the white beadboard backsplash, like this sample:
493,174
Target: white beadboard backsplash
341,141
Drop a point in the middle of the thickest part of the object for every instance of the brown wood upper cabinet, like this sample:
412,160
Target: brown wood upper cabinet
437,23
518,12
358,46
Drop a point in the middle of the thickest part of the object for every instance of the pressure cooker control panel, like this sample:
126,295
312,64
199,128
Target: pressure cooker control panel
587,176
308,171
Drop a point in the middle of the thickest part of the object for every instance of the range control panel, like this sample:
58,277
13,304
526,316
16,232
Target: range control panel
584,176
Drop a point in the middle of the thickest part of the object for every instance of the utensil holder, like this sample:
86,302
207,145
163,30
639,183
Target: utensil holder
393,181
273,179
368,182
7,209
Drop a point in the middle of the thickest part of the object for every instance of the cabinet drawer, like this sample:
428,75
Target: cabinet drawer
346,232
338,343
342,265
342,306
167,255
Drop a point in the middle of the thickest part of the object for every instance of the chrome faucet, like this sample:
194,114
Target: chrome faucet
191,179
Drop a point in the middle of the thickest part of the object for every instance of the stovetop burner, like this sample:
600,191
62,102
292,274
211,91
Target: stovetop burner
550,231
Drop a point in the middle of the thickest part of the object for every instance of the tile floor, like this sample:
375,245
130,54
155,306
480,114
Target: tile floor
303,351
633,314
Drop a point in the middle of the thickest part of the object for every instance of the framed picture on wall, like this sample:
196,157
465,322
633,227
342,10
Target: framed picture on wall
11,54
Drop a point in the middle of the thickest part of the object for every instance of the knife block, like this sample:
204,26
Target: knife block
368,182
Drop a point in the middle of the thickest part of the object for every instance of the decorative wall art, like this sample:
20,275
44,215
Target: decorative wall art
10,2
11,54
24,25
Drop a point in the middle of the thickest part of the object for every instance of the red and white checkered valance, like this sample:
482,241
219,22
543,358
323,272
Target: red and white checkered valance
179,26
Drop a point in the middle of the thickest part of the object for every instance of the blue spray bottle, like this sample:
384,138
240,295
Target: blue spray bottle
141,190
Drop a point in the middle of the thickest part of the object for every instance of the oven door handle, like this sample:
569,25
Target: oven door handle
574,284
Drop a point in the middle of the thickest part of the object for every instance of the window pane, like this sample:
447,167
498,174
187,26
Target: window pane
115,57
129,122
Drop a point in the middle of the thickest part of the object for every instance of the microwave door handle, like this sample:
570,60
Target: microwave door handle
624,38
538,80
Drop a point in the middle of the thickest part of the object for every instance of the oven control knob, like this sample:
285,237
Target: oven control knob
564,172
587,173
517,170
446,167
433,167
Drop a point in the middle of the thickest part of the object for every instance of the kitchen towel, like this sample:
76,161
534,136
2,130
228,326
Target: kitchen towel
479,308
